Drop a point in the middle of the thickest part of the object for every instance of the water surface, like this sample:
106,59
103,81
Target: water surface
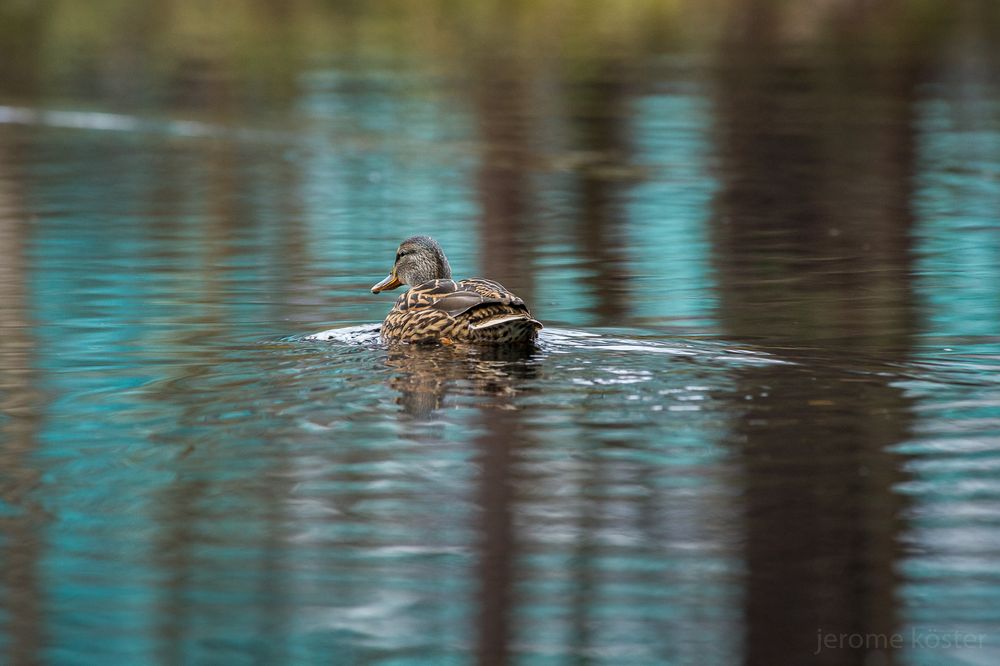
764,410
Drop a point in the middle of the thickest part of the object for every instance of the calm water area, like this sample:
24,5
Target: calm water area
761,426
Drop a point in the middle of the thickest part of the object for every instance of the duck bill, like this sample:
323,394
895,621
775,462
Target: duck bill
390,282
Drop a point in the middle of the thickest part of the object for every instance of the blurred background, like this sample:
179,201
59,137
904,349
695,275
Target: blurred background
762,235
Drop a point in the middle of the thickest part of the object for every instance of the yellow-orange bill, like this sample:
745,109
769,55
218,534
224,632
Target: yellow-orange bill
390,282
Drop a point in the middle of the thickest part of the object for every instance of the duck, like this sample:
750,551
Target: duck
438,309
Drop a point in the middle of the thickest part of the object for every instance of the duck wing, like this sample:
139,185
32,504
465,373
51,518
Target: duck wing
474,310
456,298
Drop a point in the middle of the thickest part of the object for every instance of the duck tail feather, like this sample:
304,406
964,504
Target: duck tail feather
499,320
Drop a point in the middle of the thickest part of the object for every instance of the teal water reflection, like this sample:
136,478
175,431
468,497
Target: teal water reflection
764,409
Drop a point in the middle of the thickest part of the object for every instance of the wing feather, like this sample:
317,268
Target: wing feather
467,309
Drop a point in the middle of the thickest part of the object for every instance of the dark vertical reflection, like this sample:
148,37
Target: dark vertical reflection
812,236
20,404
503,186
504,115
503,192
175,558
598,108
497,545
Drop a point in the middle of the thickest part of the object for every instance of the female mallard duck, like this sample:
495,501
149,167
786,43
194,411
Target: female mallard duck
438,309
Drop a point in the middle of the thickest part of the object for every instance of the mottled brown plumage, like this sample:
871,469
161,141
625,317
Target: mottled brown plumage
439,309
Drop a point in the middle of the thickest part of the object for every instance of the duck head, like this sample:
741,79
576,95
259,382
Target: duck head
419,259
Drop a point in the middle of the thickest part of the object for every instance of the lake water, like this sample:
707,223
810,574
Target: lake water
761,426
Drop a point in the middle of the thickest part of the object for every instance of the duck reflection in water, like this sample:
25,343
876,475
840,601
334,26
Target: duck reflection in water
424,376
